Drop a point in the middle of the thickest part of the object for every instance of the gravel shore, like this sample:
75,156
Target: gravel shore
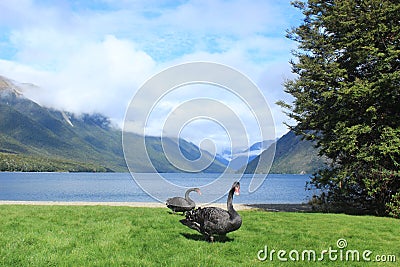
267,207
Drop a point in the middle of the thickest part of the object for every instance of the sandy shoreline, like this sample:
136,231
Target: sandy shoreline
268,207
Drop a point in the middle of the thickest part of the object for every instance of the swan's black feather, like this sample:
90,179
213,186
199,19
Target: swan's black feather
211,221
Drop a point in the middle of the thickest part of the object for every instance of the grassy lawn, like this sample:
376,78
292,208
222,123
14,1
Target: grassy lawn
124,236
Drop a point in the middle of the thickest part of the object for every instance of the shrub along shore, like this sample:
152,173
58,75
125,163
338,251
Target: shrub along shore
267,207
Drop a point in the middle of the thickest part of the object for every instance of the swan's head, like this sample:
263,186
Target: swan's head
198,191
236,186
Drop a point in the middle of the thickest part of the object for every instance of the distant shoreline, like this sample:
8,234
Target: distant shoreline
147,172
267,207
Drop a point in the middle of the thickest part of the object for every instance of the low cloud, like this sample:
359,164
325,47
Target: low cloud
93,58
96,77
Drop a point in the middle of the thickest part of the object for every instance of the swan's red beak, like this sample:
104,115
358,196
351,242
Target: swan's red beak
237,190
198,191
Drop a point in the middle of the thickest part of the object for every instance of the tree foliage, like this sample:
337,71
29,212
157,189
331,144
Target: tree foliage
347,98
33,163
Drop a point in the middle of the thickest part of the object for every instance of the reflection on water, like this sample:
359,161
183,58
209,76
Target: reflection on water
115,187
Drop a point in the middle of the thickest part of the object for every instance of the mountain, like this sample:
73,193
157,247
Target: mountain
292,155
241,158
155,149
44,136
36,138
260,146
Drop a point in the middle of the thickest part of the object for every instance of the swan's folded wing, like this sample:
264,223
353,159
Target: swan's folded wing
178,202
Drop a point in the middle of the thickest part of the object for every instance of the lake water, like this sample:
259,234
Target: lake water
121,187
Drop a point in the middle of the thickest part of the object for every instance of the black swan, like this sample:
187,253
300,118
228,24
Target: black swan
211,221
180,204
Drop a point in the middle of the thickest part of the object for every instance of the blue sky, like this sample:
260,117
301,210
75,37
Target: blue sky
91,56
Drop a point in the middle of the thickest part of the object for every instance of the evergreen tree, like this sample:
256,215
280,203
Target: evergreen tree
347,98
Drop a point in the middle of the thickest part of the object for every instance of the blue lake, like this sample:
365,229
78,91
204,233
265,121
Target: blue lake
121,187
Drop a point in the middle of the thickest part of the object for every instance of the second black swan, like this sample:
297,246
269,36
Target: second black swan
180,204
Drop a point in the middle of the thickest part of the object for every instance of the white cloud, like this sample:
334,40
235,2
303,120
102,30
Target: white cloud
96,77
197,112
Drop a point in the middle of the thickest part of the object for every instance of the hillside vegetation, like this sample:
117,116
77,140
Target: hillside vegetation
292,155
36,138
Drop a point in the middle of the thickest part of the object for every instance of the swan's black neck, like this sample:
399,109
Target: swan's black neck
229,204
187,194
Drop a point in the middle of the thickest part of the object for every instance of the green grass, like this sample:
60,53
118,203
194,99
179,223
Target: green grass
123,236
